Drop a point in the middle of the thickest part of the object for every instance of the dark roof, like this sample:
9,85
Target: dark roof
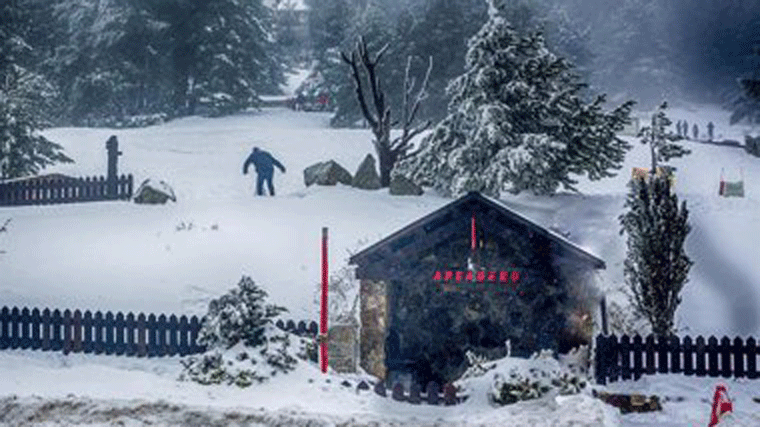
477,198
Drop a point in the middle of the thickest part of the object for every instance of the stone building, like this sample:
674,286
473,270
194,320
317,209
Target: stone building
470,276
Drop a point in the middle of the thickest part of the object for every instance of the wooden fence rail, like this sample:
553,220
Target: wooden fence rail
627,358
65,190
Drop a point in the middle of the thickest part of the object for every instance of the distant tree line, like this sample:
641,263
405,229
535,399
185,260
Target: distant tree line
117,58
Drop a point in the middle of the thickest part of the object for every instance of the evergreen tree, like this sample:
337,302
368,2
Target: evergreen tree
662,141
516,122
656,267
747,104
24,95
238,316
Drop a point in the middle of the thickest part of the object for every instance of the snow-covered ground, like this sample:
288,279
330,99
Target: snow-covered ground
121,256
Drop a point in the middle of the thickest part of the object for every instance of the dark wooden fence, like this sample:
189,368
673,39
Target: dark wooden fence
65,190
433,394
301,328
119,334
97,333
627,358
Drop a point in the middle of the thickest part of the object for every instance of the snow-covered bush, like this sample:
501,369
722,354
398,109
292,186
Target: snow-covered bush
517,379
243,345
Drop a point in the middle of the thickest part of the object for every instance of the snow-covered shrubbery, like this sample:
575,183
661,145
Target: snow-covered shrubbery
243,345
532,378
515,379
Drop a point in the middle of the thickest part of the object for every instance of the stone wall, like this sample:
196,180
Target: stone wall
343,348
374,321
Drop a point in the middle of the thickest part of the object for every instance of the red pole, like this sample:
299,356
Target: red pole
472,234
323,311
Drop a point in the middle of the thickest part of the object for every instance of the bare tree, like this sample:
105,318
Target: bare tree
379,116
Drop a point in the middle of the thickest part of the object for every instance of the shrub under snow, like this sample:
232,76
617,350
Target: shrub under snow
515,379
243,345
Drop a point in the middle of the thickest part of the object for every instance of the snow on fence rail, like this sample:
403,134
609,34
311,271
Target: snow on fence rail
43,191
626,358
119,334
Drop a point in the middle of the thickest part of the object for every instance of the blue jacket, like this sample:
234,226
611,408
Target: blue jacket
263,162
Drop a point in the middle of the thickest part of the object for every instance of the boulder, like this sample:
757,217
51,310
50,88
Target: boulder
153,192
326,173
402,186
366,176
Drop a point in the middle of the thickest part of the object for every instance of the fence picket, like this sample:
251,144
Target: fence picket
67,329
161,335
751,349
725,357
674,348
87,337
46,329
662,354
701,371
152,333
77,336
649,349
183,330
25,340
120,343
36,321
173,336
625,357
688,363
738,351
712,357
129,326
5,328
142,345
97,341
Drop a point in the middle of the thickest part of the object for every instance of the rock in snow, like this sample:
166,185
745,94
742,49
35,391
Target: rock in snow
152,192
366,176
326,173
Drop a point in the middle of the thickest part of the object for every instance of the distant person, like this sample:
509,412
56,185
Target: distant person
264,164
300,100
686,129
678,128
710,127
695,131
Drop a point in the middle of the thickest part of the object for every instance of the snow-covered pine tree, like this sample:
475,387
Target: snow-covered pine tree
656,267
516,122
235,56
747,104
24,97
662,141
238,316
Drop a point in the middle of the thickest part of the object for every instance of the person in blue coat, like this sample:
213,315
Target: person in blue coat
264,164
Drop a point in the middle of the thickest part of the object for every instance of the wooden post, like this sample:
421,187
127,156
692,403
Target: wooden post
112,146
603,307
323,308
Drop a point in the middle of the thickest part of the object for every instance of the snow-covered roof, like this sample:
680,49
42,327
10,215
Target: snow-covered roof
408,234
299,5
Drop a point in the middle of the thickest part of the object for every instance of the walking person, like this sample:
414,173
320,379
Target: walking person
678,128
264,164
695,131
685,129
710,127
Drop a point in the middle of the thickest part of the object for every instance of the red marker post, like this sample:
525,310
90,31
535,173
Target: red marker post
323,308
